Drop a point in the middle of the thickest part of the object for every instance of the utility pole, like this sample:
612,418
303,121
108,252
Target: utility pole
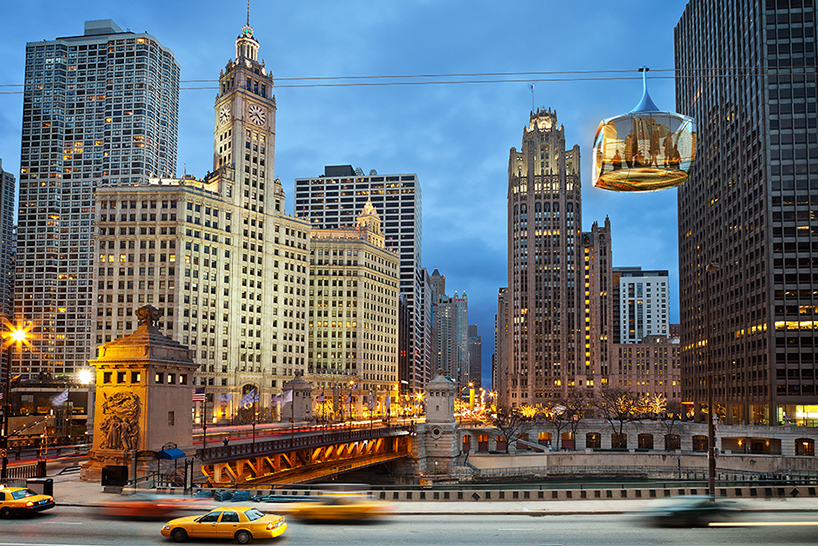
6,408
711,429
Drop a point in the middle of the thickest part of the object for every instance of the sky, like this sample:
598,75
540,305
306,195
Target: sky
455,136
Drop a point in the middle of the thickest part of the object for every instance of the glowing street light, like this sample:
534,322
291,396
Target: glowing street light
14,336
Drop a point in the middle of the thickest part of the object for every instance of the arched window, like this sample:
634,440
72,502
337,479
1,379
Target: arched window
570,207
619,441
673,442
466,443
544,438
645,441
593,440
482,442
502,444
537,206
700,443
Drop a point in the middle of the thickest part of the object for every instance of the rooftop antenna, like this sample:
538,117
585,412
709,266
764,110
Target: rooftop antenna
248,13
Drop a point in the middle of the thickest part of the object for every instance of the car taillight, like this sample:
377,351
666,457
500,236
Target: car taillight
29,504
270,526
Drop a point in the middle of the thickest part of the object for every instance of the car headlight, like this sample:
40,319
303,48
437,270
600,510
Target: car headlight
166,527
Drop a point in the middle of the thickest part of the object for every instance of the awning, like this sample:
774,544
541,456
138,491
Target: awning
171,453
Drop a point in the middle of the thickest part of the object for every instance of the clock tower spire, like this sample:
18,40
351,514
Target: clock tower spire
244,135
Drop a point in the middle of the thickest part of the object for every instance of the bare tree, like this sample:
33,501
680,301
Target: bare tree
671,415
577,404
511,423
565,413
618,407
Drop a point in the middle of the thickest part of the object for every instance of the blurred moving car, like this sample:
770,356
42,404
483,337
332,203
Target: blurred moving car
689,511
148,505
242,523
19,500
340,507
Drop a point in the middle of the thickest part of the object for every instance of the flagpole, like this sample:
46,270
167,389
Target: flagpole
204,417
254,423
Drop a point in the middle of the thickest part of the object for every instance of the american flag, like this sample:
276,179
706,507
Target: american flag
199,394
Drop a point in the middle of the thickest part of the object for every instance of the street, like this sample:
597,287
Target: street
78,526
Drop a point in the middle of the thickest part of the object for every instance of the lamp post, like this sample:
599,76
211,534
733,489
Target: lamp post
14,336
711,430
86,377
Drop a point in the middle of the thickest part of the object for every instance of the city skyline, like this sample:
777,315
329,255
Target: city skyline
455,137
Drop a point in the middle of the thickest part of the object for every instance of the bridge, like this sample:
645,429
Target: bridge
303,458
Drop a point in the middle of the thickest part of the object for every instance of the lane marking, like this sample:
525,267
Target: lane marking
762,523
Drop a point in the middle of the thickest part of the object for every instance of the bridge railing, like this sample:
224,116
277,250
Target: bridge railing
289,442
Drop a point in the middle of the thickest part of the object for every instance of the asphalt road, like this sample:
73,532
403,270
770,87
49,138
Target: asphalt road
78,526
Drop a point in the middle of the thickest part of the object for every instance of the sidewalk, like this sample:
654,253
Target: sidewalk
69,490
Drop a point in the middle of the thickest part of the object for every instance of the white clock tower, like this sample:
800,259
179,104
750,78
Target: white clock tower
244,135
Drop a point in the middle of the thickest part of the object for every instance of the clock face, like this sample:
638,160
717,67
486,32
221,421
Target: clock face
257,114
224,114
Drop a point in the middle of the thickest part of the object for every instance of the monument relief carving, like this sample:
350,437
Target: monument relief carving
120,423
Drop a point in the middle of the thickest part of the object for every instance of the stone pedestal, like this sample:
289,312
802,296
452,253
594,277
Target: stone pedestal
438,437
143,402
298,392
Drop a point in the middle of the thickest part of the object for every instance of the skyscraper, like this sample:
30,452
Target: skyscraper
353,327
451,317
475,357
746,227
98,109
332,199
544,260
7,242
219,256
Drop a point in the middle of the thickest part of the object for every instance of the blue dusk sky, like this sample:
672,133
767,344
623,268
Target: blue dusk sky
582,57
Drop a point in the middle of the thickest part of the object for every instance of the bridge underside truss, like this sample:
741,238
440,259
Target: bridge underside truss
305,465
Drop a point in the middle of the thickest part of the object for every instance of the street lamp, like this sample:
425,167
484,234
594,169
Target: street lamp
711,430
86,376
14,336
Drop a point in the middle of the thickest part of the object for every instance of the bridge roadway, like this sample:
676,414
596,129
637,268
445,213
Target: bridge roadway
303,457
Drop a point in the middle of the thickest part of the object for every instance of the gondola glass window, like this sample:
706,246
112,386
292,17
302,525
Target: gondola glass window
645,149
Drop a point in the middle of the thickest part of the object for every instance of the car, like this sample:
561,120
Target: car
19,500
340,507
689,511
242,523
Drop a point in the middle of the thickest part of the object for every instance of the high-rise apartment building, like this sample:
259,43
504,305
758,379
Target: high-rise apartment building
475,357
746,227
642,303
98,109
353,325
544,265
7,243
451,317
219,256
331,201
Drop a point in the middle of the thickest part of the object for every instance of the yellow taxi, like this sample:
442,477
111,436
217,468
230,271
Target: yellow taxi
19,500
242,523
340,507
